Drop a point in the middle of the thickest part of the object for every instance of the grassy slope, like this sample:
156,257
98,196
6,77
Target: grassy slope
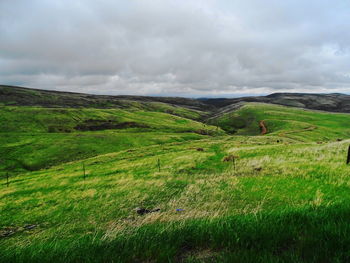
30,141
37,119
284,202
294,123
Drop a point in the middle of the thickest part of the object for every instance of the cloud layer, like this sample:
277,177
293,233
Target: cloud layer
186,48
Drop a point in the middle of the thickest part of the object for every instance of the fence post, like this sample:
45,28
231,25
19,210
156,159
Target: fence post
7,179
348,159
158,165
84,171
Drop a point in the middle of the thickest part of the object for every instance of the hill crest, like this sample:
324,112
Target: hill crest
20,96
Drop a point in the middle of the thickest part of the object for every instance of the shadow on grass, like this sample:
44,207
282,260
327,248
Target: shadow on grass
310,234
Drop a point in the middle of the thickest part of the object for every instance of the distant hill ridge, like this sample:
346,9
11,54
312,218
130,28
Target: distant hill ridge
12,95
333,102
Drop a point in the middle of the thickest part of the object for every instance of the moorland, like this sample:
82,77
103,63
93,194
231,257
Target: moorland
77,169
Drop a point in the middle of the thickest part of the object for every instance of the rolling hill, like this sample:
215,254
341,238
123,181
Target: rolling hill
19,96
334,102
294,123
11,95
81,166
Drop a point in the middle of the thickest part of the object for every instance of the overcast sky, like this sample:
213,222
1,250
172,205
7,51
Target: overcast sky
190,48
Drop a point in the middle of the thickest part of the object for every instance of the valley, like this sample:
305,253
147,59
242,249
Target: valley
77,174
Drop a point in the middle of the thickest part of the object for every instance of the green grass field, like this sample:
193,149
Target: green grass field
34,138
286,198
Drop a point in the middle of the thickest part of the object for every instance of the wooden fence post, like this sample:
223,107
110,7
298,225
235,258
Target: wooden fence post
84,171
7,179
348,159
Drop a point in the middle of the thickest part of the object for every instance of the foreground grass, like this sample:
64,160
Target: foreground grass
294,235
282,203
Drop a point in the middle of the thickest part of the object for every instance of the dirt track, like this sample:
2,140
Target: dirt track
262,127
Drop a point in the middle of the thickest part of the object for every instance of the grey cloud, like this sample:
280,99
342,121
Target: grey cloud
192,48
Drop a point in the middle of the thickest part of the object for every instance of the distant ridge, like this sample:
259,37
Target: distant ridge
333,102
13,95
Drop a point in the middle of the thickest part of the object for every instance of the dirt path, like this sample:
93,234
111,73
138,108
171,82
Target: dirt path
262,127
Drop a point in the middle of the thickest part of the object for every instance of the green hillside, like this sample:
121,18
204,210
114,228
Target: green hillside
284,199
33,138
293,123
18,96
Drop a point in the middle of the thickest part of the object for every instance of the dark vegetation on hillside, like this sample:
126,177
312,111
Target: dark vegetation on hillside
327,102
19,96
98,125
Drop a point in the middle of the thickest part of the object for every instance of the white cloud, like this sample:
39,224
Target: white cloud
191,48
